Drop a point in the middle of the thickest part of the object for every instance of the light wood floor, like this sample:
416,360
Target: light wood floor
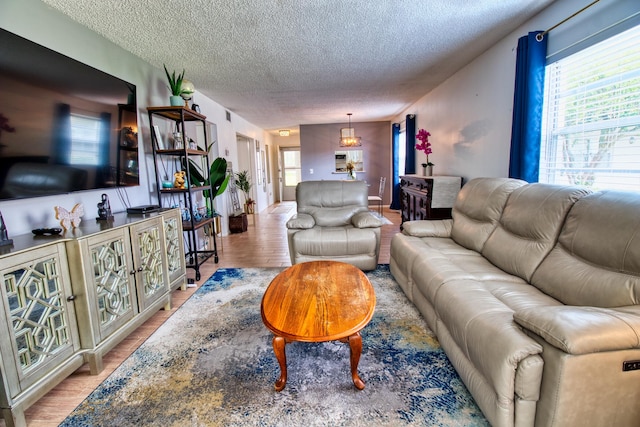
264,244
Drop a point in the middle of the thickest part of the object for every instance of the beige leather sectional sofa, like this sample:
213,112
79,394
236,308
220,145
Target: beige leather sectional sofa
533,291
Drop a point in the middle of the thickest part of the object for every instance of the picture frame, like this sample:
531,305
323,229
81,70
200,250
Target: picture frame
158,137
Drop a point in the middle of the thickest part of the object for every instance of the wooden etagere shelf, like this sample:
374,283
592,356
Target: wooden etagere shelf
177,113
178,116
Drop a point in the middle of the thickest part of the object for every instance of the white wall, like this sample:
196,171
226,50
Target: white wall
34,20
469,115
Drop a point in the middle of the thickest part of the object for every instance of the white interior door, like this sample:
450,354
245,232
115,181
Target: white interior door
290,172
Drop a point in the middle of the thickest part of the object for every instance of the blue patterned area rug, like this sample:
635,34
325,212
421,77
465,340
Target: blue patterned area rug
212,364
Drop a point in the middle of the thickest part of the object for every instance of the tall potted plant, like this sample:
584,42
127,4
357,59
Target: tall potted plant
243,182
175,86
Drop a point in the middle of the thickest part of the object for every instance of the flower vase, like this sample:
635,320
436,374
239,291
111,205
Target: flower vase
427,170
352,175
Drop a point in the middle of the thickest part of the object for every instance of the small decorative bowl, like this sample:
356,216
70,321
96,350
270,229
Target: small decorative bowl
167,184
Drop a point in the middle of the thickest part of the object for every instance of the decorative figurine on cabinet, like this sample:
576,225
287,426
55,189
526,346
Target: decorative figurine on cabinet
104,209
4,237
69,218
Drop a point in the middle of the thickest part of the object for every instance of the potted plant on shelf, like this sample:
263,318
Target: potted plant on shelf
175,86
243,182
218,179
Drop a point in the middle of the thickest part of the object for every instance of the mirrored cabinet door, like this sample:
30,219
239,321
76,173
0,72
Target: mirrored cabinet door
39,316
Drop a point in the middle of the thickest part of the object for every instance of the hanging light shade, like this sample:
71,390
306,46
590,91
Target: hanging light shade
348,136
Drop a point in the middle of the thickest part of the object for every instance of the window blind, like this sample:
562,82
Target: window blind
591,121
85,140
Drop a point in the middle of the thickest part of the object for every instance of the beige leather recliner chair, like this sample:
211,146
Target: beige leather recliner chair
333,222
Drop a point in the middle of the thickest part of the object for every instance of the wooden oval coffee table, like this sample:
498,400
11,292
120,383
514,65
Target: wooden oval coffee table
318,301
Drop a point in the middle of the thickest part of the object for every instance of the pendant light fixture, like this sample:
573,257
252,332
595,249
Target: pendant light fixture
348,136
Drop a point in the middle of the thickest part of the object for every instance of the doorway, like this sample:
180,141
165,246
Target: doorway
246,162
290,172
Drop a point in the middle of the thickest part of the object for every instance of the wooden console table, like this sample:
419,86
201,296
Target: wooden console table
428,197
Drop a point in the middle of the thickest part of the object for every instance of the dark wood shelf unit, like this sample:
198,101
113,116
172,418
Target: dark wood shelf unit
184,190
178,116
186,225
177,113
181,152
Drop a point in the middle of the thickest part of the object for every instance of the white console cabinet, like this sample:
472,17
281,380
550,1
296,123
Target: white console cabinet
176,264
69,299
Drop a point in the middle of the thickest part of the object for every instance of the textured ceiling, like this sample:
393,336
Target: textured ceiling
282,63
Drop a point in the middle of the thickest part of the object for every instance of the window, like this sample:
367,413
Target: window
591,121
85,140
292,170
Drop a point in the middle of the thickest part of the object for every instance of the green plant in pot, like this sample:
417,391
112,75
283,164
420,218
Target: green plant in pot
243,182
218,179
175,86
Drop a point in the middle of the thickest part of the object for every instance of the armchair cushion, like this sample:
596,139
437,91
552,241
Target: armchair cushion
301,221
335,241
332,203
366,220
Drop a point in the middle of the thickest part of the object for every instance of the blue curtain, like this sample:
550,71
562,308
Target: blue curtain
395,153
410,163
526,130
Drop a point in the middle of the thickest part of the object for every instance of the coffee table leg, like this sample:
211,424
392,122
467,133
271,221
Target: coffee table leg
278,349
355,344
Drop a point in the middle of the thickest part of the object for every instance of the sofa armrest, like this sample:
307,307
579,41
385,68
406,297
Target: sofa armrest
301,221
366,220
424,228
583,330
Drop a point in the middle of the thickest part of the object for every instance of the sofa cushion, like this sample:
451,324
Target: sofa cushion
484,330
597,259
426,228
478,208
520,295
435,267
529,226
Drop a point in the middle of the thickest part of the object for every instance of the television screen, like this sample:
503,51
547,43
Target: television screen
64,126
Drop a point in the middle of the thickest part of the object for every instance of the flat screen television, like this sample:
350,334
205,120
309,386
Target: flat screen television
64,126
